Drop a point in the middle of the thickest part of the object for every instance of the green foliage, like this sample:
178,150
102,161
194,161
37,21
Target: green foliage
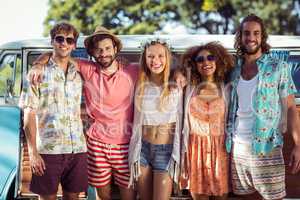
149,16
6,72
280,16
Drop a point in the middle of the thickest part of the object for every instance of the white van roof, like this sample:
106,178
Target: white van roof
177,42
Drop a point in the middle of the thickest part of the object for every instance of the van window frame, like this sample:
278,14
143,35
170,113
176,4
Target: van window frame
16,54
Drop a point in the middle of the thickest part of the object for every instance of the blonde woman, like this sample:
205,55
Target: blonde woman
154,148
204,158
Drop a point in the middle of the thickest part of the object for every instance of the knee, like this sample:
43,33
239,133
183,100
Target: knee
48,197
104,195
70,195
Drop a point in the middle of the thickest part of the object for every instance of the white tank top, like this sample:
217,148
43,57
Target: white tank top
150,106
246,91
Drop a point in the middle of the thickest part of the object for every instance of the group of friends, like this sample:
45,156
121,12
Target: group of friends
214,127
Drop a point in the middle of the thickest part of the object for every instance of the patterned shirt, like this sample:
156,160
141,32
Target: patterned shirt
274,84
57,102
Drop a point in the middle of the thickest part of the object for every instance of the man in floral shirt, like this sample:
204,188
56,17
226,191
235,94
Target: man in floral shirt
108,90
261,101
52,122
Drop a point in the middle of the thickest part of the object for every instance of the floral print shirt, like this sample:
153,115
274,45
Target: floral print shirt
274,84
57,103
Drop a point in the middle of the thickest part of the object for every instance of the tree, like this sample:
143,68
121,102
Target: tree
122,16
280,16
149,16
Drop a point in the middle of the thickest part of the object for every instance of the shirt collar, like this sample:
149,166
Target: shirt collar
71,67
120,68
263,58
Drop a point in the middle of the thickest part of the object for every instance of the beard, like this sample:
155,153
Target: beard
105,61
245,50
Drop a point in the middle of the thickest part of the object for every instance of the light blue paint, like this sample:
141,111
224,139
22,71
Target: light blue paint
9,147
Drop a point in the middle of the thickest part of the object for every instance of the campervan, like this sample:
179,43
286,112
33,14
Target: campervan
16,59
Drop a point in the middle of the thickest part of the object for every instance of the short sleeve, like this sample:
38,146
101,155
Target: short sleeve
29,96
86,68
286,83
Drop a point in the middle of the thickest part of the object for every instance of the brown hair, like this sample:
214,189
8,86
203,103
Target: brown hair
144,74
224,61
95,39
265,47
64,27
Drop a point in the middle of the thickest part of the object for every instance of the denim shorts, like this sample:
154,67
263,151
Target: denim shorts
156,156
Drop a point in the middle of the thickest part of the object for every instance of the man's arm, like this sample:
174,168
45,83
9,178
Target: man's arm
35,74
37,163
293,124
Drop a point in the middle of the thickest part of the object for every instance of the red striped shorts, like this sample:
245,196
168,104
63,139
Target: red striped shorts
105,161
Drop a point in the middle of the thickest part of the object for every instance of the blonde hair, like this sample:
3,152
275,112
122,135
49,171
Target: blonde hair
144,75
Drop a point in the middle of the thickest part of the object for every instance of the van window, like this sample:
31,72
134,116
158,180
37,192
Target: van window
18,76
294,60
134,57
32,56
10,76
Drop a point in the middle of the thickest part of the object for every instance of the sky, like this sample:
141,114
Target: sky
22,19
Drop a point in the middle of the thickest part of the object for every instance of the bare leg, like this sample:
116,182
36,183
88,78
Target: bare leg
48,197
223,197
127,193
144,184
255,196
70,195
162,186
252,196
200,197
104,193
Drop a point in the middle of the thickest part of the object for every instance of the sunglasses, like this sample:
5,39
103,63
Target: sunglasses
60,39
201,59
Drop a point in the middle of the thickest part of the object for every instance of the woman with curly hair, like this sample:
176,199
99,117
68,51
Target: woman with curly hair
204,169
154,148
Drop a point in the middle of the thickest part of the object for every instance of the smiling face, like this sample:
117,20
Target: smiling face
104,52
206,64
251,38
156,58
63,44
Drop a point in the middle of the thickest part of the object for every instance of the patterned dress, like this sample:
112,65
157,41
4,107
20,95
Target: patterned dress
208,160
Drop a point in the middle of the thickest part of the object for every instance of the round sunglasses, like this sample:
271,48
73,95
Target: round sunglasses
201,59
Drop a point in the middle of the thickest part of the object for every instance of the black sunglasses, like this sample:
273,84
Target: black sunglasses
60,39
200,59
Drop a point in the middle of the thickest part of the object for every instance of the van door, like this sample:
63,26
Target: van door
10,121
292,180
294,60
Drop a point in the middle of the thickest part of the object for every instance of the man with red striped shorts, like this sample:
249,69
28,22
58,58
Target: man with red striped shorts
109,89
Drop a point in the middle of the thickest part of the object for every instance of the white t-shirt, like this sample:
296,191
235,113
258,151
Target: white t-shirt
246,90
